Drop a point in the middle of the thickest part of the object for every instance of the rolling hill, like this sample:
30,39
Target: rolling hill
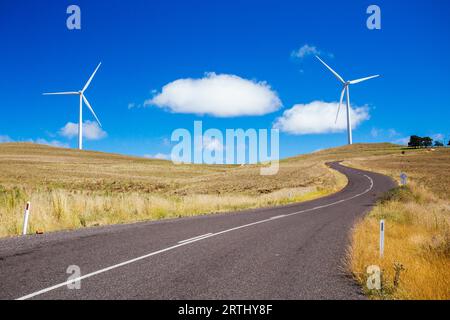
70,188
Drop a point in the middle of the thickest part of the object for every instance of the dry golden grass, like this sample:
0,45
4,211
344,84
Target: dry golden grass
428,168
37,167
60,209
70,189
417,228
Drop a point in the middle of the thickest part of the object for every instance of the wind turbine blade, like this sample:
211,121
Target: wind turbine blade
334,72
90,79
363,79
340,103
92,110
60,93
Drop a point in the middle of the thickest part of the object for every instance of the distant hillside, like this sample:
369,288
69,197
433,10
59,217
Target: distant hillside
71,188
36,167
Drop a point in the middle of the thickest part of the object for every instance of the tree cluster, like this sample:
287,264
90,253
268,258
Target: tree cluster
423,142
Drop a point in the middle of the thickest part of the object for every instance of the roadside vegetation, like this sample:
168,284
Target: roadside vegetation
416,261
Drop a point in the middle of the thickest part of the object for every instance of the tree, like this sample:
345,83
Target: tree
415,142
418,142
448,143
438,144
427,142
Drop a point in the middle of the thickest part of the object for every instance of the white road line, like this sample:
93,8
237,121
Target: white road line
195,238
186,242
278,217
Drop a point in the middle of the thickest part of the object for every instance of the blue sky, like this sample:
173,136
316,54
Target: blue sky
145,45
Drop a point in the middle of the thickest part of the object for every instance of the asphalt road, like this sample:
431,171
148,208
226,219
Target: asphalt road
290,252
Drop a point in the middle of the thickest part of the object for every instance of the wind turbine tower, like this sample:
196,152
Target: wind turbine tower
82,98
346,91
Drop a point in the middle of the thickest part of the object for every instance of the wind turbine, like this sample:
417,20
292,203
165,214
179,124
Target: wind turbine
82,98
346,90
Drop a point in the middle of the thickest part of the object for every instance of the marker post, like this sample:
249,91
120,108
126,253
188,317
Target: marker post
25,219
403,178
381,238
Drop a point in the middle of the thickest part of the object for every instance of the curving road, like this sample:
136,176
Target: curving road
289,252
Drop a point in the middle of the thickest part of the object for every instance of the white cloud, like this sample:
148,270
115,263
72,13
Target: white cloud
133,105
4,138
212,144
53,143
220,95
392,133
438,137
166,142
318,117
377,132
305,51
403,141
91,130
160,156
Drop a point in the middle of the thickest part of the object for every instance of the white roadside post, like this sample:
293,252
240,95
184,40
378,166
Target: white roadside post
403,178
25,219
381,238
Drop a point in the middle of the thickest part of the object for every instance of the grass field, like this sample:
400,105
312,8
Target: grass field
416,263
70,189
